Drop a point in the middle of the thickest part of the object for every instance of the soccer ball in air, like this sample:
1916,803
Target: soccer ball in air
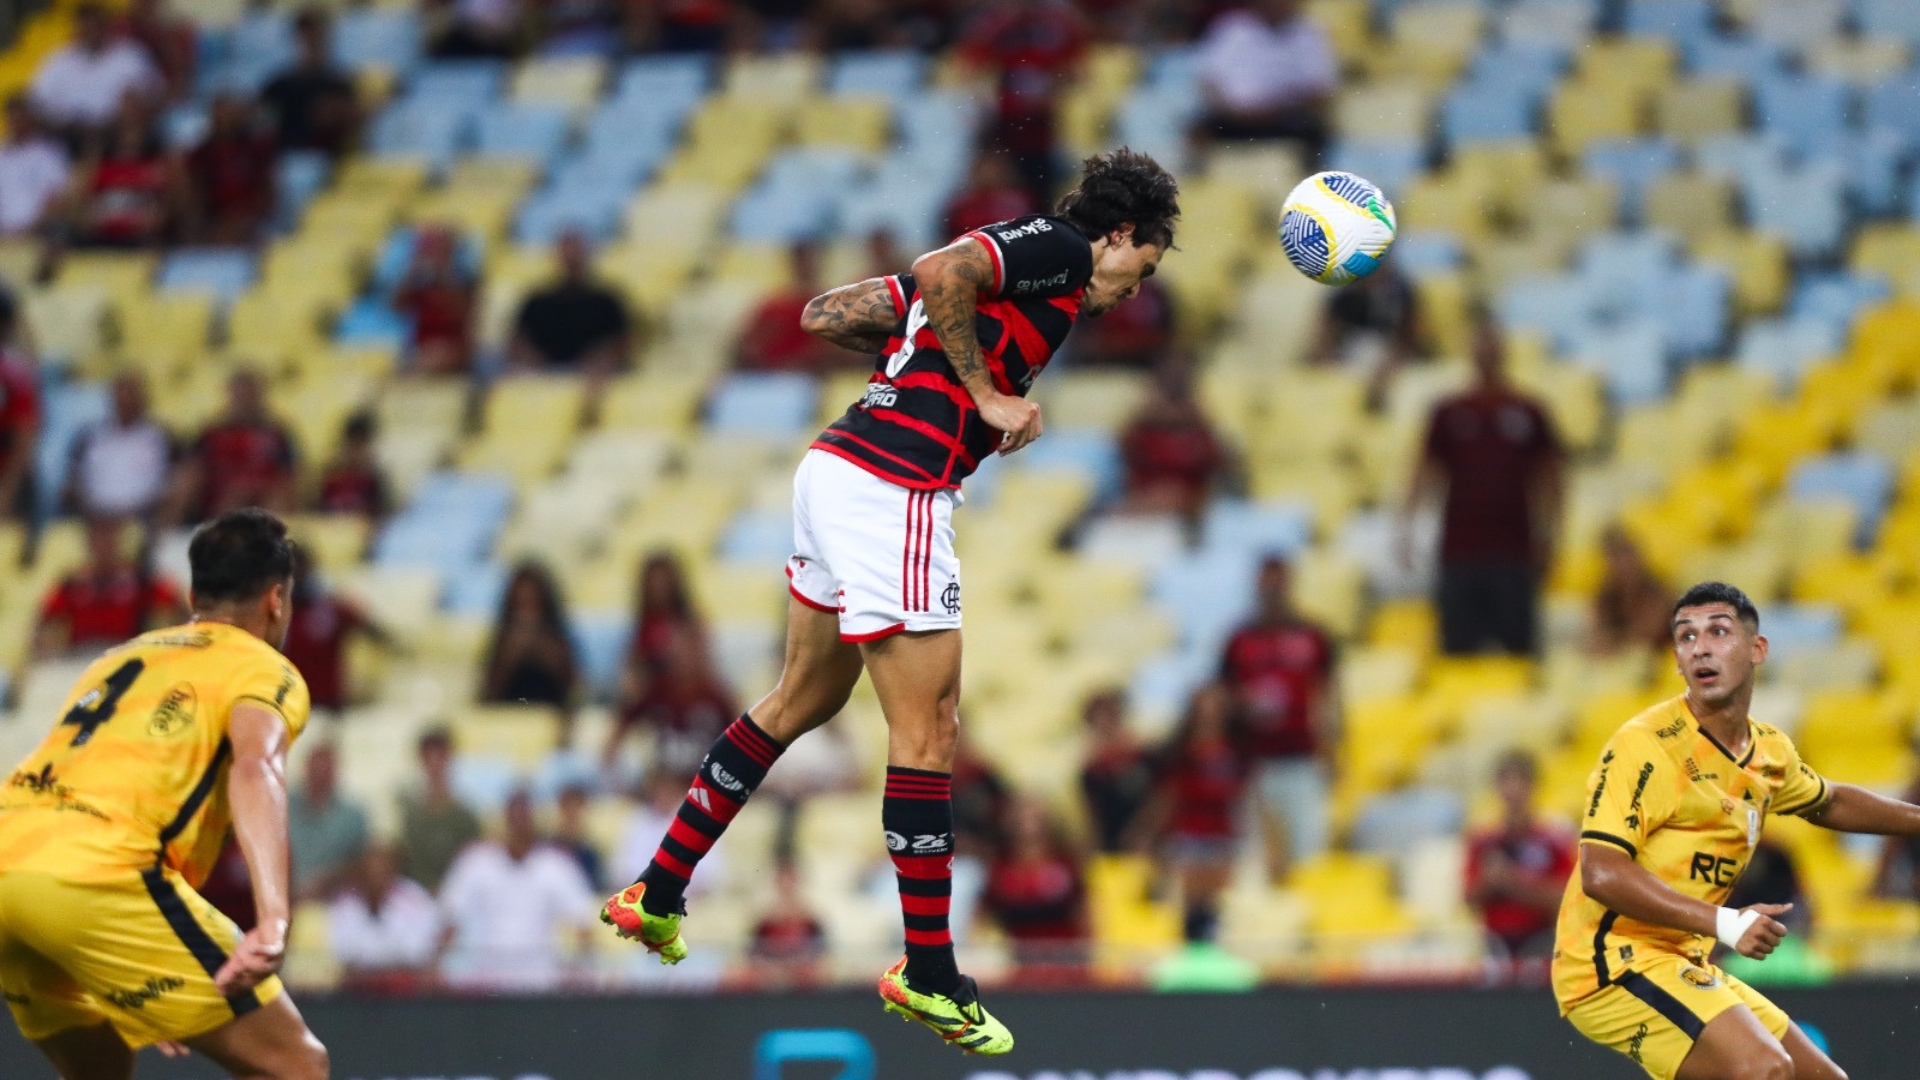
1336,227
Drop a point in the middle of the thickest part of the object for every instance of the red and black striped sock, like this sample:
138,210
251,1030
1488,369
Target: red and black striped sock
734,766
917,815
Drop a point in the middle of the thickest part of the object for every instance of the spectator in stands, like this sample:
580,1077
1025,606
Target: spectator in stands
19,412
655,804
106,601
1136,336
1281,669
353,482
84,85
685,706
1268,71
506,903
1033,48
133,194
663,610
773,339
839,25
1195,811
531,659
232,171
34,172
1517,870
383,928
313,103
579,27
680,26
434,824
576,323
1494,457
1372,326
244,458
1633,608
570,834
993,193
980,796
480,28
119,466
1171,456
326,834
323,622
1116,779
169,42
1036,893
439,296
788,942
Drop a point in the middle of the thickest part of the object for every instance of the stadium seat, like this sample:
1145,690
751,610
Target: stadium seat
1864,479
533,131
1803,110
1633,165
763,406
890,74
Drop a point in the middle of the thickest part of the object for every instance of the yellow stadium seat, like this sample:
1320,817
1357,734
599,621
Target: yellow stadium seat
782,77
533,404
1852,581
677,218
570,82
1449,200
118,274
1510,173
1455,682
1690,205
522,734
1892,251
1862,60
1757,263
1582,112
1693,110
69,321
1567,208
1640,62
1397,109
1348,23
864,124
335,541
1350,897
384,175
481,213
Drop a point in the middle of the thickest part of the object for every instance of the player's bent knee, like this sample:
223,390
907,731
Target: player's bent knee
1772,1064
313,1062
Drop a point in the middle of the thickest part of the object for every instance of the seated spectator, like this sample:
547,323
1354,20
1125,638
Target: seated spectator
475,29
19,413
773,339
232,171
655,804
1372,326
1518,869
570,835
860,25
993,194
244,458
105,602
439,296
1136,336
531,660
1633,607
383,928
133,194
314,104
663,608
1171,456
83,86
353,482
579,27
323,622
170,43
788,942
33,172
119,466
1036,893
1034,50
1116,779
680,26
435,826
1268,71
326,834
686,706
506,903
574,324
1195,812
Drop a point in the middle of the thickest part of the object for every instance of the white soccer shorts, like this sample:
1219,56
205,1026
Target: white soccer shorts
878,554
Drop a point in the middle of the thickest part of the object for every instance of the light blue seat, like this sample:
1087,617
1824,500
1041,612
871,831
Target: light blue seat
1891,104
1863,478
1873,162
1836,296
1561,24
1633,165
1174,68
1625,272
220,273
371,322
1694,318
1745,58
910,212
762,537
1630,358
1089,453
772,405
66,410
1164,683
1475,113
396,254
1804,109
184,127
941,117
484,782
482,494
1156,121
1557,305
1735,155
620,123
444,542
1392,164
383,36
530,131
826,167
1394,823
600,646
584,210
302,175
1683,22
1783,349
1427,251
1263,528
573,767
1527,69
887,73
436,131
1891,18
1207,594
476,592
666,78
1790,628
785,215
470,83
1806,207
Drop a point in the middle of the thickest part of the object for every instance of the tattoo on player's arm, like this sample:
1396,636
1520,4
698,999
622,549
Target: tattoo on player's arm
952,297
857,316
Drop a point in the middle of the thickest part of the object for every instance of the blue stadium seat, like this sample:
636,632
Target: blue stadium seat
1163,684
1474,113
485,781
1630,358
1753,61
1155,121
1633,165
223,274
572,767
1532,69
1429,251
1396,822
682,77
302,174
1783,349
1392,164
382,35
1237,525
621,123
768,406
67,409
470,83
475,592
1626,272
529,131
1736,155
940,118
600,644
1695,313
1863,478
438,131
1174,68
1561,24
397,254
1207,595
1557,305
785,215
893,73
1836,296
480,494
1088,453
1873,161
1806,207
584,209
1889,18
184,126
760,537
1890,104
1684,22
370,321
1792,627
1804,109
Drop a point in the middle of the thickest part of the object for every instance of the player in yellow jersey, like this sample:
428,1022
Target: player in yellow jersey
108,827
1673,812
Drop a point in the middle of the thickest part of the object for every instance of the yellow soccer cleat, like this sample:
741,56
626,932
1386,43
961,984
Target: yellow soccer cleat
960,1020
659,933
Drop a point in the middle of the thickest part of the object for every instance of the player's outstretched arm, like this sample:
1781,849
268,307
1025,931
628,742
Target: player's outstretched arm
1857,810
951,281
1610,876
857,316
257,791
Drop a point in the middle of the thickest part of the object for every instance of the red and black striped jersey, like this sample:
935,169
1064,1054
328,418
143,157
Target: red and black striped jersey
916,425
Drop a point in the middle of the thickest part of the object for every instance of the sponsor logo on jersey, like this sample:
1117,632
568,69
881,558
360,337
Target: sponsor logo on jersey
43,782
1037,284
1699,978
175,712
929,843
726,780
1031,228
896,842
1679,725
1634,1044
699,797
1600,786
879,396
137,998
1639,789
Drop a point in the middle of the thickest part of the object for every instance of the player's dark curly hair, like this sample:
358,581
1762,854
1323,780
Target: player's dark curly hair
238,556
1719,592
1123,186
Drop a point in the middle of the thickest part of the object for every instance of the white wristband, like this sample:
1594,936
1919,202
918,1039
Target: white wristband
1731,925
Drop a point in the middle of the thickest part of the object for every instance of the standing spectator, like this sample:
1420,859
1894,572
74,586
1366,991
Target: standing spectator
654,808
170,43
1517,870
1493,452
120,465
1171,456
438,295
570,835
435,826
1136,336
326,834
773,339
1034,47
1117,778
686,706
19,413
788,942
1268,71
1281,669
323,622
33,172
353,482
1202,784
1373,327
313,103
506,903
134,194
1037,894
244,458
663,609
1633,608
993,194
574,324
105,602
531,659
383,928
84,84
232,171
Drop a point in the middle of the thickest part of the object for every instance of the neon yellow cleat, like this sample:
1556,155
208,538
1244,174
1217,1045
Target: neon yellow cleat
960,1020
659,933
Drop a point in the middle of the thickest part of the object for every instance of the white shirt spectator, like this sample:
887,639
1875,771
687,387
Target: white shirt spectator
507,915
75,86
121,471
32,174
1252,65
402,935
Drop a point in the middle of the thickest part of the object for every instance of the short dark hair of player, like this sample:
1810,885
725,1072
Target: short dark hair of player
1719,592
238,556
1119,187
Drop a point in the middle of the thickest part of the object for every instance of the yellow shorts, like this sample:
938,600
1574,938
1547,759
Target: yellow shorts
1654,1012
140,956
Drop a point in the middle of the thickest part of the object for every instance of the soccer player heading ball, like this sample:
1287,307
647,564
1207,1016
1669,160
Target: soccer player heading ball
959,340
1673,813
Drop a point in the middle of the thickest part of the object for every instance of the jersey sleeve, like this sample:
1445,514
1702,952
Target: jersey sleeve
1628,796
1803,791
273,682
1036,256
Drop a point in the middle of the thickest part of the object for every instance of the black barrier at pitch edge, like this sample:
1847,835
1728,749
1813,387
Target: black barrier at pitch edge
1280,1034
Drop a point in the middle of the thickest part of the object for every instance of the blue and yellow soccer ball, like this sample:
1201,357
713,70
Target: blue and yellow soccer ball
1336,227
